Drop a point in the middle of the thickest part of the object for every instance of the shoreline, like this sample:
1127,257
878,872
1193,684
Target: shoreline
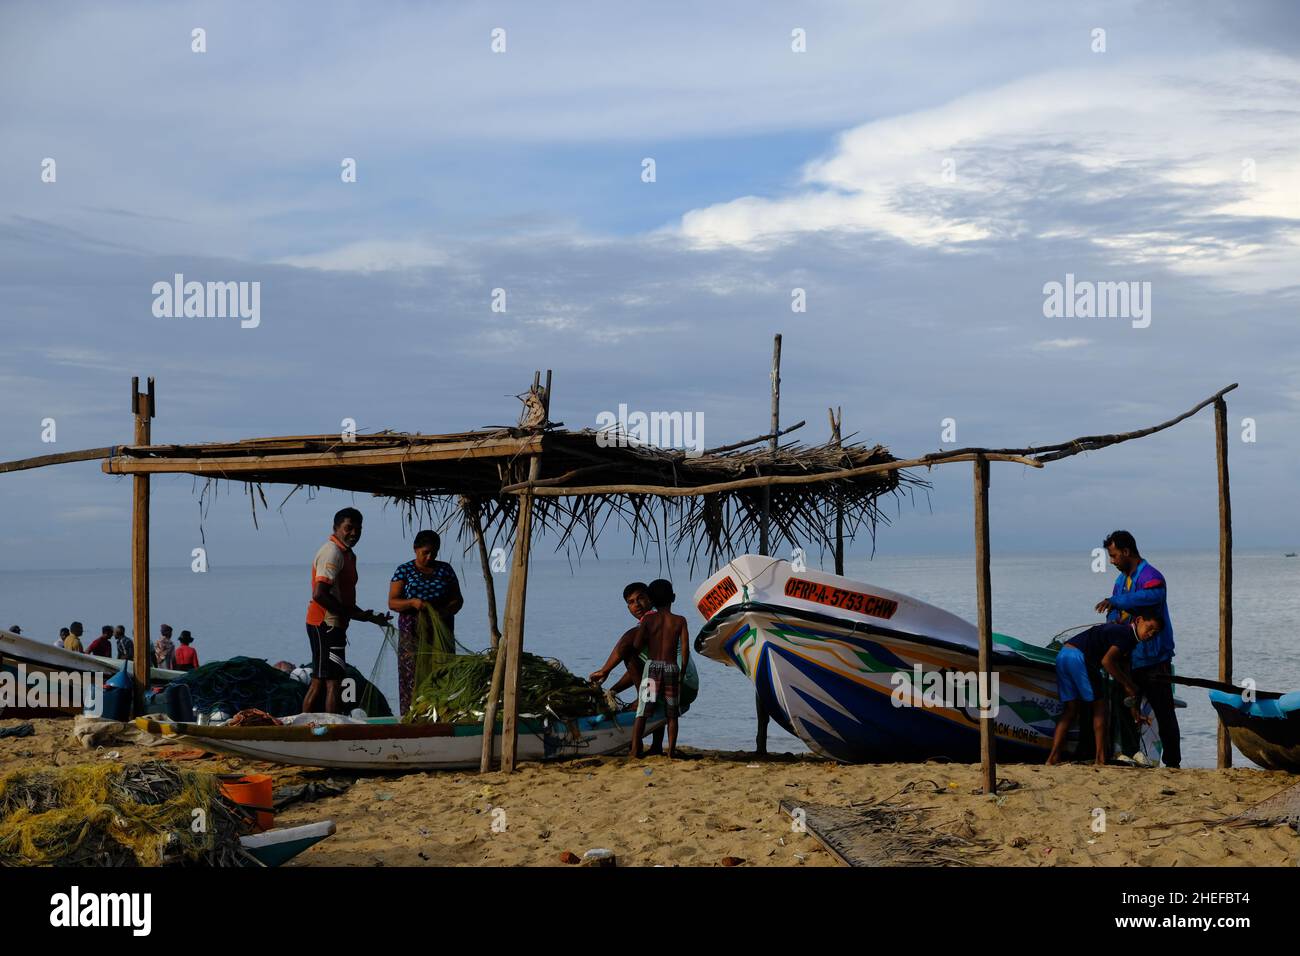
715,805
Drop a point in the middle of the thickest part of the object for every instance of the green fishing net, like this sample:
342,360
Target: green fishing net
242,682
452,687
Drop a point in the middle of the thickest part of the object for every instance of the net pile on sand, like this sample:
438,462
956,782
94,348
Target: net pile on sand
148,814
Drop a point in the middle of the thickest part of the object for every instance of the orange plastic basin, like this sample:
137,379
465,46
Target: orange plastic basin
254,792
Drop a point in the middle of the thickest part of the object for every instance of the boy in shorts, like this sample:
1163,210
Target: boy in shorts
662,634
1079,679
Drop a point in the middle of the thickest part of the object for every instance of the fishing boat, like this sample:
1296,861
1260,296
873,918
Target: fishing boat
279,846
382,743
1266,729
839,664
51,657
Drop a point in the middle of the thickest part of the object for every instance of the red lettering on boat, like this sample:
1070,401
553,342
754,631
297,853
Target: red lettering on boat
718,595
855,601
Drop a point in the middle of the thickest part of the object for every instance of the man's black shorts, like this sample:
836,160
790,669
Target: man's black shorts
328,651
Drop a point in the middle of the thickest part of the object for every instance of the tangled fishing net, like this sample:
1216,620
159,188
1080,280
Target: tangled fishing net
452,687
109,815
243,682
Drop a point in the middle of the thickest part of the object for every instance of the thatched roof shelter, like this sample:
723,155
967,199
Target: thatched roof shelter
585,480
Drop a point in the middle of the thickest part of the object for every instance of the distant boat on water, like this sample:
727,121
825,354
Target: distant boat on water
1289,554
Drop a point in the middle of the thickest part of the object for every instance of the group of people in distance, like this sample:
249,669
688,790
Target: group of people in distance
656,651
1135,646
114,642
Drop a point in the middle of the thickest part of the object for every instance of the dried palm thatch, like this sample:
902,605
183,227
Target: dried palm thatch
587,482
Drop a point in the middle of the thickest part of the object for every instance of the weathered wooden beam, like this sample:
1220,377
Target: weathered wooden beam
1033,457
673,491
235,465
1094,442
40,461
754,441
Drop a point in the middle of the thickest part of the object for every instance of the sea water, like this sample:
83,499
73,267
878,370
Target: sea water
576,612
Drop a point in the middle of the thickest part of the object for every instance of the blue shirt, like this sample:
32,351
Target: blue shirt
1145,587
437,585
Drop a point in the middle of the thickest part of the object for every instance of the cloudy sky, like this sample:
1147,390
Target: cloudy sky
920,170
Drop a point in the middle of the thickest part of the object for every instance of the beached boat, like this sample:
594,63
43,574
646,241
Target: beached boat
823,652
382,743
279,846
51,657
1266,730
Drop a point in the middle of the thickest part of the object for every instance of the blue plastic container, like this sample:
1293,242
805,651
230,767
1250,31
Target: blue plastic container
174,700
117,696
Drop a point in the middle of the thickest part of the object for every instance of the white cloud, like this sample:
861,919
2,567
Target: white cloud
91,513
1060,345
887,176
371,255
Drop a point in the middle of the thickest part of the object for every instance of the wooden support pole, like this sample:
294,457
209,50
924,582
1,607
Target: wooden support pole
516,602
984,615
1225,567
764,528
516,596
499,662
765,532
837,421
142,407
490,709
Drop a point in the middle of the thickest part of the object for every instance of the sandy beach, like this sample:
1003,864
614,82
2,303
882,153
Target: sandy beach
713,806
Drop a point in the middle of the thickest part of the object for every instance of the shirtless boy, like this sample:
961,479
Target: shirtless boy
637,597
663,635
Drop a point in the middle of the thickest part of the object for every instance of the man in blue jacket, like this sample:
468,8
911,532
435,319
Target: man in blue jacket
1139,584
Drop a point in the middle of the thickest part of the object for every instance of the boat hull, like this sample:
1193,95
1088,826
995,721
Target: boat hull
279,846
834,687
1265,731
848,668
50,657
383,744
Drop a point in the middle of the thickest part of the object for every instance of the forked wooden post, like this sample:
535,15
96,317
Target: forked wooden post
984,615
142,407
1225,567
516,599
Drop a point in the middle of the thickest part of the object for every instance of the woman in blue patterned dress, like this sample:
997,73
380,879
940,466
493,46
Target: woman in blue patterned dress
416,583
